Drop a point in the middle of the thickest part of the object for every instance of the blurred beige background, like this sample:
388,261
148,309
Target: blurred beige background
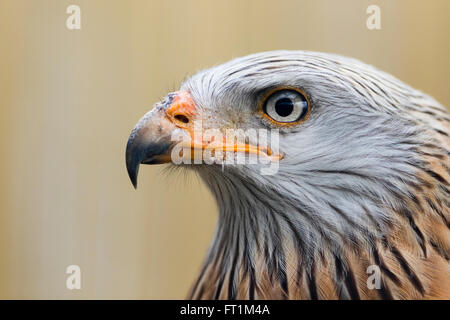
70,98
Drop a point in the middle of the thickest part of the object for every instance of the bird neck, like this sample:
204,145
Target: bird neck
262,235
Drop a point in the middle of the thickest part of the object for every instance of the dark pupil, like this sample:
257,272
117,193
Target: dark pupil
284,107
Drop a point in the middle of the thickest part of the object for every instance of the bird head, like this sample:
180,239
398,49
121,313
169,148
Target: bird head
345,153
341,134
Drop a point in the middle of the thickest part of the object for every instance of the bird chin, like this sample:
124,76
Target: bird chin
155,160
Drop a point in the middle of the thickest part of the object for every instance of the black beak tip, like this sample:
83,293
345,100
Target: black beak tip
133,169
133,178
133,160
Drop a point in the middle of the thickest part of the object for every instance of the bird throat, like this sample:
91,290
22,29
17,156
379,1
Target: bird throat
257,245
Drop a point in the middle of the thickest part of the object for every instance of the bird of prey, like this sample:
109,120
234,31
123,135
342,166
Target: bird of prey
361,194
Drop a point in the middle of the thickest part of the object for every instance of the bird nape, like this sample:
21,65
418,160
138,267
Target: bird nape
357,203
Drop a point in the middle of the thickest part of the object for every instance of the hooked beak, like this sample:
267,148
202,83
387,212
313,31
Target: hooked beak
150,141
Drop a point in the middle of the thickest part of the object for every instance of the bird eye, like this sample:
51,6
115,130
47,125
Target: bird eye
286,106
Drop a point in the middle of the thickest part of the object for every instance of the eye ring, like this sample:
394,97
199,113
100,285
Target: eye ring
285,106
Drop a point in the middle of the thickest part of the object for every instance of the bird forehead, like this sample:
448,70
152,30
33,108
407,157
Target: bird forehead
243,78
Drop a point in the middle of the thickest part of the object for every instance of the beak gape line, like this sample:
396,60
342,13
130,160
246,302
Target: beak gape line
150,144
211,146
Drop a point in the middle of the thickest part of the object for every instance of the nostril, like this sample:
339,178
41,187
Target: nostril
181,118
